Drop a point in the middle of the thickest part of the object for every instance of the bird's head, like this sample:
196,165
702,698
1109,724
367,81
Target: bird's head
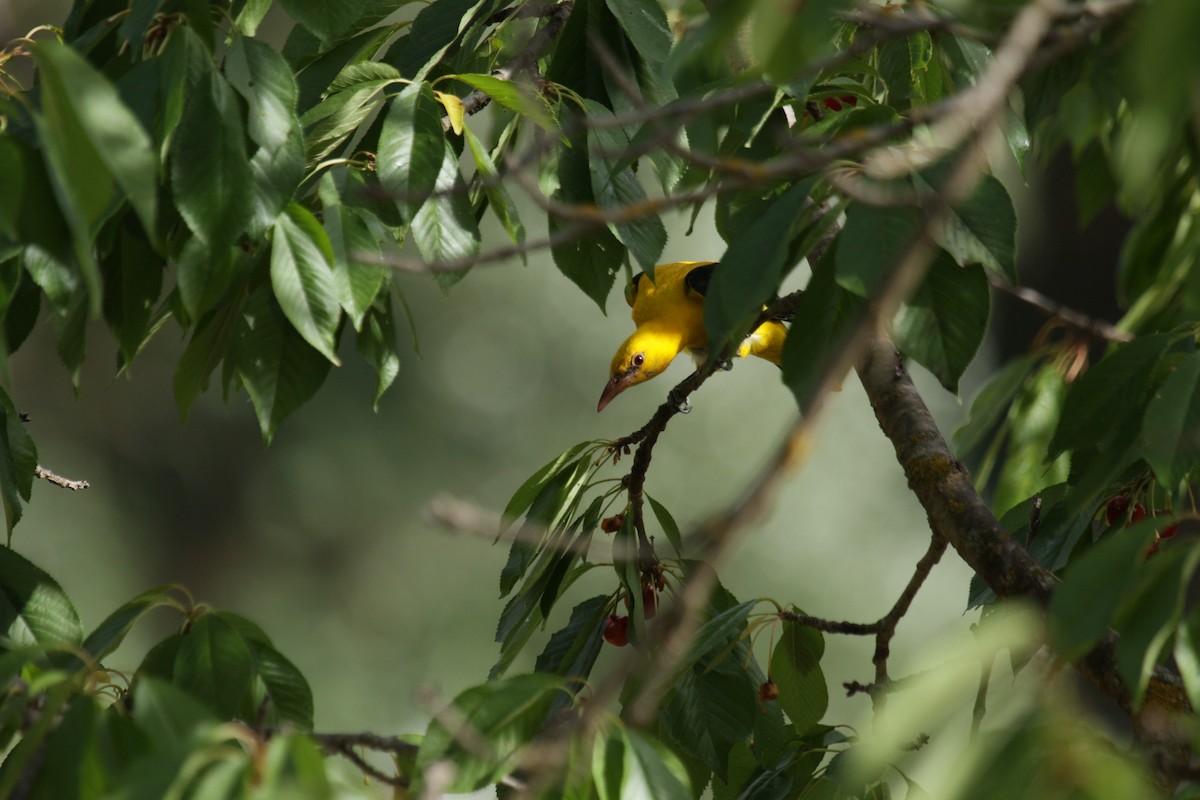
642,356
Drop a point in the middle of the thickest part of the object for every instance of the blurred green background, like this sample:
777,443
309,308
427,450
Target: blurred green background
320,538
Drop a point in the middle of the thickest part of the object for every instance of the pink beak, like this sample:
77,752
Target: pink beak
616,384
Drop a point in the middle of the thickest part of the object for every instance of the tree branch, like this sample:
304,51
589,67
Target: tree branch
58,480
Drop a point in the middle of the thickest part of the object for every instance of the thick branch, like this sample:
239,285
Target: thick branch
958,514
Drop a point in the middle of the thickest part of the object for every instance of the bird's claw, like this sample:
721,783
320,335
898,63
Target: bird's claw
684,405
725,364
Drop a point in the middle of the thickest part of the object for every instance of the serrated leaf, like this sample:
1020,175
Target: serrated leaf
1110,394
983,230
109,634
287,687
207,348
302,278
871,243
358,269
202,274
214,665
616,189
377,345
1093,588
211,179
503,717
412,148
1171,425
524,496
669,527
1148,616
72,86
329,123
514,95
709,712
279,369
135,276
651,770
433,31
573,649
785,39
328,19
444,228
591,260
796,670
716,632
18,460
501,202
825,314
942,324
750,271
34,610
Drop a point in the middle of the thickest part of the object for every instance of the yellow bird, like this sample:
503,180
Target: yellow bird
669,314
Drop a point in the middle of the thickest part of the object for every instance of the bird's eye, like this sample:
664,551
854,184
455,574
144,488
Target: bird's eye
638,359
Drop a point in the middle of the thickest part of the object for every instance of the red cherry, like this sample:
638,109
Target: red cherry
832,104
849,99
1152,550
768,691
1116,509
1169,531
612,524
649,601
1139,514
616,631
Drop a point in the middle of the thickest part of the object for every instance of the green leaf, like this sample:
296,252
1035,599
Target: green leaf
202,274
533,485
328,19
651,770
503,716
669,527
825,314
33,607
287,687
109,634
516,96
208,347
498,197
942,324
1110,394
444,228
73,87
553,498
279,369
784,39
870,245
989,409
263,78
751,269
211,177
18,460
1171,425
377,345
294,767
134,283
358,270
709,712
1093,588
1187,655
434,29
591,260
716,632
166,713
616,189
328,124
70,761
983,230
1148,616
302,278
412,148
572,651
12,191
796,670
214,665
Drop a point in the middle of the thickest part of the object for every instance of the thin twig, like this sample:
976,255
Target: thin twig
58,480
1095,328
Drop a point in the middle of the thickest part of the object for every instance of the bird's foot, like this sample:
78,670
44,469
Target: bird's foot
681,401
725,364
